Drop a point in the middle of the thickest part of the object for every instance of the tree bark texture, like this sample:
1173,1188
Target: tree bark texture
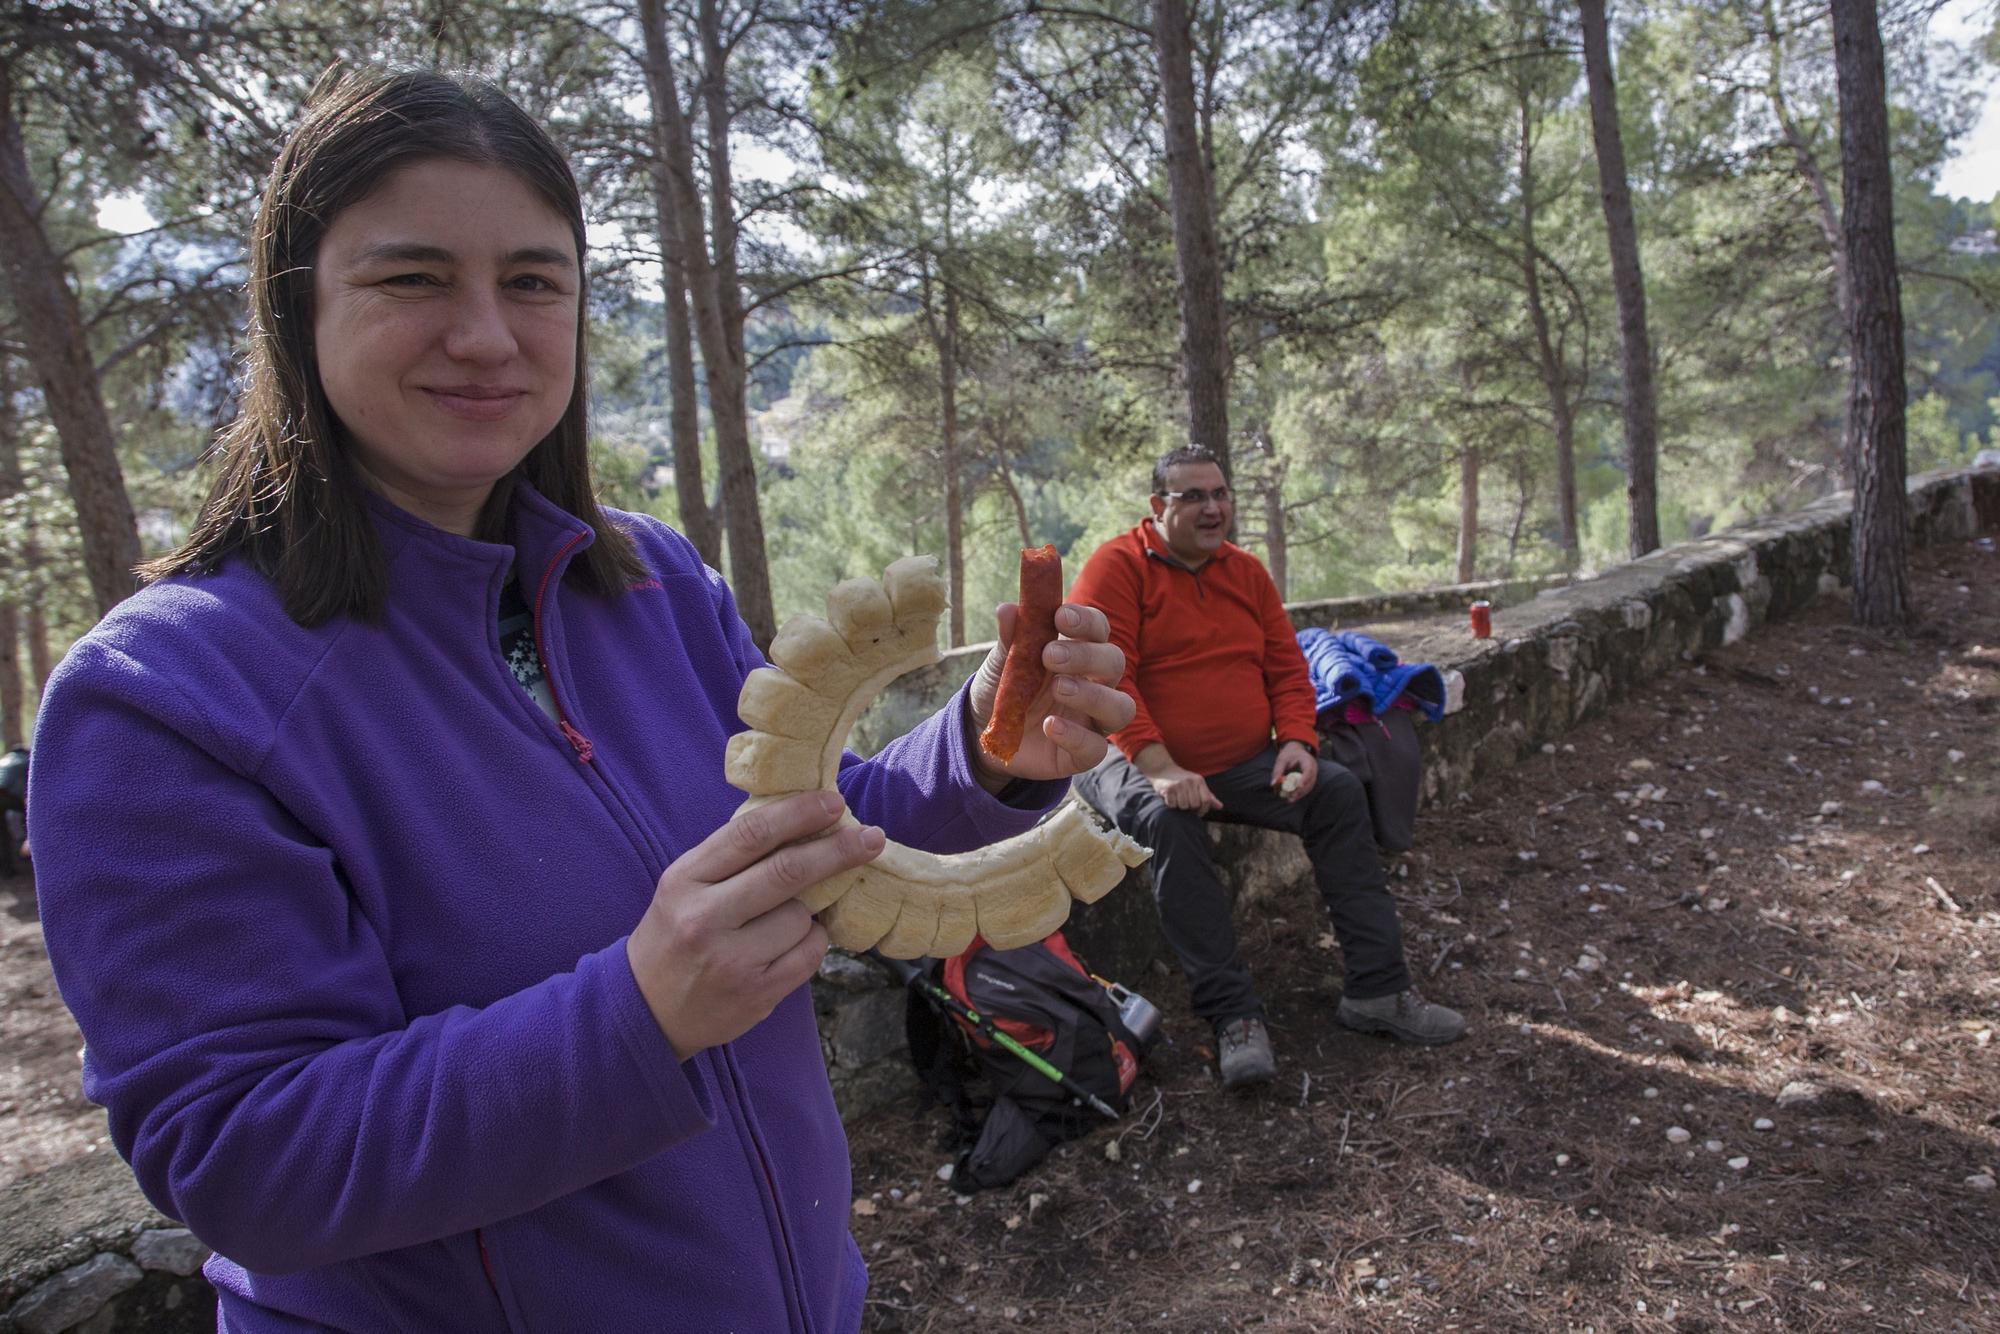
721,185
721,356
1468,515
954,489
35,628
1642,503
13,695
1876,387
13,692
59,350
702,524
1275,551
1555,377
1204,339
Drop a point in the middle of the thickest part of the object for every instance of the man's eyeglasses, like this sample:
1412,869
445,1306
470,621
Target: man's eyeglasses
1197,497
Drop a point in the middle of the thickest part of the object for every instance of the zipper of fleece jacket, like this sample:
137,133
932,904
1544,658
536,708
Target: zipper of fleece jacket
738,1096
577,740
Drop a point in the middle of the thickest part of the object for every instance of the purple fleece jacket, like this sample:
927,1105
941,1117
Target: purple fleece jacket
342,914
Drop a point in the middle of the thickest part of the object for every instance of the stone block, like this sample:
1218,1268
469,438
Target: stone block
865,1027
1119,935
841,971
880,1084
74,1295
175,1250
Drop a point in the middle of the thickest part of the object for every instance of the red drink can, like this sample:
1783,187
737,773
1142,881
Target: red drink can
1482,620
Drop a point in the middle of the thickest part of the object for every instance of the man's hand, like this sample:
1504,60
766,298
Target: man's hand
1295,757
1184,790
1077,707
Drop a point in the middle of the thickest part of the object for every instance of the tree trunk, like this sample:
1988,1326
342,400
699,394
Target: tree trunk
59,350
1204,345
1275,550
35,624
954,491
1005,477
13,693
1876,387
13,698
1523,493
1468,515
749,570
722,190
1808,166
1554,374
749,575
702,524
1642,503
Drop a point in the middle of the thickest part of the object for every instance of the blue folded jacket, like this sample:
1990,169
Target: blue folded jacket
1371,651
1346,666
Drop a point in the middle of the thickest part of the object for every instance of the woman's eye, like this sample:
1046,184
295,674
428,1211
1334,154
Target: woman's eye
409,280
533,282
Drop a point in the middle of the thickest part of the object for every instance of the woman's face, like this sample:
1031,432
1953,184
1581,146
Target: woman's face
445,318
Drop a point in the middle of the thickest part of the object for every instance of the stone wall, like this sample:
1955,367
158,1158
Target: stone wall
81,1250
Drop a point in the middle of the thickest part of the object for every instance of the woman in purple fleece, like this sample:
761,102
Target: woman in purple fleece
382,840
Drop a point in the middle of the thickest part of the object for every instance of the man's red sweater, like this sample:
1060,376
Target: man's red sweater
1210,656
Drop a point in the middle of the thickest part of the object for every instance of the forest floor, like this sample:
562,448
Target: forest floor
1756,902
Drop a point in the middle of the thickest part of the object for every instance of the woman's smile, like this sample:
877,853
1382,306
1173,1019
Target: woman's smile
478,403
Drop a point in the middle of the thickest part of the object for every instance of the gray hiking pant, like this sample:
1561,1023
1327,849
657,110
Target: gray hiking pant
1195,908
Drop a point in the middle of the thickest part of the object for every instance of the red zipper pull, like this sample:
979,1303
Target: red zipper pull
576,739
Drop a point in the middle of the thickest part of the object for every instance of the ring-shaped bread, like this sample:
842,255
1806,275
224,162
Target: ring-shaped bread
905,903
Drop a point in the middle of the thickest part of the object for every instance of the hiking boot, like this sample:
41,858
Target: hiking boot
1244,1051
1405,1016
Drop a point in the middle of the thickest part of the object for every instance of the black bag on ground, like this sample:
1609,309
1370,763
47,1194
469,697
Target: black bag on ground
1040,996
1385,755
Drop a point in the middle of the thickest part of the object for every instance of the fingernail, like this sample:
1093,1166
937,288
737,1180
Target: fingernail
1058,655
1068,617
1068,685
830,804
872,838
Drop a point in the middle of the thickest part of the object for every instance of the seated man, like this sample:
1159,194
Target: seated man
1225,724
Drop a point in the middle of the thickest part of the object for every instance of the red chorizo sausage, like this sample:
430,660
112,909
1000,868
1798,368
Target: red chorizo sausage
1022,674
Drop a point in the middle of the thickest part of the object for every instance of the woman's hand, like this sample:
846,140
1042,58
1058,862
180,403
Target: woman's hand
1070,716
725,937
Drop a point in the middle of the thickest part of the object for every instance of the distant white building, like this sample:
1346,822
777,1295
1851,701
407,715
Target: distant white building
1975,243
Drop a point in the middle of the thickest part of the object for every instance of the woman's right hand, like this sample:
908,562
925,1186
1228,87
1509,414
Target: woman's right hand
725,937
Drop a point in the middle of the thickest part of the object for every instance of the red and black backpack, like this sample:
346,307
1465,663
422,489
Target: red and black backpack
1043,998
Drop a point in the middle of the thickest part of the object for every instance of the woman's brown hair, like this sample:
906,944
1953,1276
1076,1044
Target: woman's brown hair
287,495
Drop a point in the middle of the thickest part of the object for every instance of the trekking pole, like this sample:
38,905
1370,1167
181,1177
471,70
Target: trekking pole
916,979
